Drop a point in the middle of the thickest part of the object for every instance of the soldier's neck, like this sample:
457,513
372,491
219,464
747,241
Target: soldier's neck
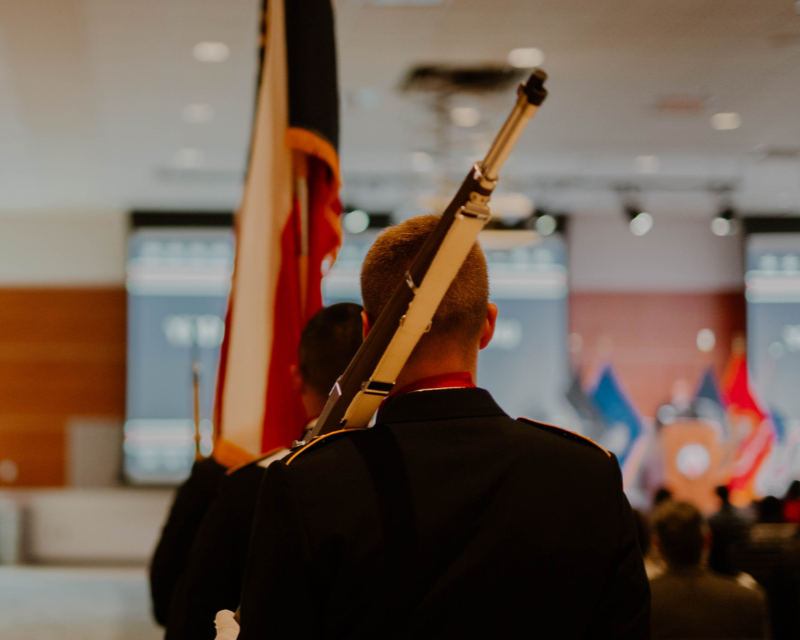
441,362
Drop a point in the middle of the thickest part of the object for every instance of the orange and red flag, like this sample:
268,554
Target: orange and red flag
287,228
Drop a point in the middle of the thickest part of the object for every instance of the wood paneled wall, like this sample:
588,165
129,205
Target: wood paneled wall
62,354
651,338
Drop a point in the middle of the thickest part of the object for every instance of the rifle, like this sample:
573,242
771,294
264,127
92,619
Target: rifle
373,371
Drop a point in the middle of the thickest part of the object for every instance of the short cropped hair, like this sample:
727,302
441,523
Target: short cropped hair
328,343
462,311
681,533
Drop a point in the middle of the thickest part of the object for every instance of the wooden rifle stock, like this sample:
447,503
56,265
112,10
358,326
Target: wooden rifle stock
372,373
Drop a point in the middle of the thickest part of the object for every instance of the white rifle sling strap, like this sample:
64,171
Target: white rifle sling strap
456,245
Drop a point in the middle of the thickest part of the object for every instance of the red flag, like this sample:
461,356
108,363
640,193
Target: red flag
287,228
750,425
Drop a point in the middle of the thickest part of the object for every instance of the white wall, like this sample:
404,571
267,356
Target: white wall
679,254
70,249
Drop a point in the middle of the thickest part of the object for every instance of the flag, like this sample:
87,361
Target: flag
590,418
623,423
709,404
287,228
751,427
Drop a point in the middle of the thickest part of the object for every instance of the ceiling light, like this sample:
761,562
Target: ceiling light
211,51
465,116
641,224
647,164
640,221
546,224
525,57
198,113
724,224
726,121
706,340
188,158
356,221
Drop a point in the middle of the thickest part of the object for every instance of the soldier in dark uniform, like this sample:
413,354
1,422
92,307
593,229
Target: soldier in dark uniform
212,579
447,519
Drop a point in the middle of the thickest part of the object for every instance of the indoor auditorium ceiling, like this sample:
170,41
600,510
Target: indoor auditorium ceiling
103,105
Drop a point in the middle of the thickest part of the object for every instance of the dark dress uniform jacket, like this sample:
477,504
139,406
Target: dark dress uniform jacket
212,579
192,501
447,519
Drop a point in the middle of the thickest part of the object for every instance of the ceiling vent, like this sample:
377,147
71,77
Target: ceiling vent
447,79
686,105
766,152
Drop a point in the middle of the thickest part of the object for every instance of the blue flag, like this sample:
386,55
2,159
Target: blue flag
623,423
708,402
778,425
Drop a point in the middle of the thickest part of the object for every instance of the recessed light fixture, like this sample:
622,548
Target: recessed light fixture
188,158
525,57
211,51
706,340
546,224
356,221
465,116
198,113
726,121
647,164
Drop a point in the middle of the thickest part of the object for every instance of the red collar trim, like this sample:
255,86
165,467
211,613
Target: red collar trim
460,379
456,380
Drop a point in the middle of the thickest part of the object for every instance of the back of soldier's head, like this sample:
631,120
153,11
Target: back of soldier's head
462,312
680,529
328,344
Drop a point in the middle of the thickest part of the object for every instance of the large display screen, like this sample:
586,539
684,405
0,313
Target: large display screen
178,283
525,367
773,348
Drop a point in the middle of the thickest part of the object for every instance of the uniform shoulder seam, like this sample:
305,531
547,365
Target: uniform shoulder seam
577,437
316,442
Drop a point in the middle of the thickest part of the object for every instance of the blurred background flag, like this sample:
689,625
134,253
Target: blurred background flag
287,229
710,405
591,421
751,428
623,423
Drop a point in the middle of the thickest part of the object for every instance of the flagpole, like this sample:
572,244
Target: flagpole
300,162
198,455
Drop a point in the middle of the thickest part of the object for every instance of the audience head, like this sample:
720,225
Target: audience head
770,511
679,533
723,493
327,345
460,322
662,495
793,492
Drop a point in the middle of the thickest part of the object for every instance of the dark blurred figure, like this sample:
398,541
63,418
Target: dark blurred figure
653,565
791,503
689,602
192,501
770,556
770,511
728,532
662,495
212,577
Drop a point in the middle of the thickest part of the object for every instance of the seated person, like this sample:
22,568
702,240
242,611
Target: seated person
688,601
212,572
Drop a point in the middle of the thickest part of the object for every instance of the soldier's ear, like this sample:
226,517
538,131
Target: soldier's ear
488,325
298,382
365,321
